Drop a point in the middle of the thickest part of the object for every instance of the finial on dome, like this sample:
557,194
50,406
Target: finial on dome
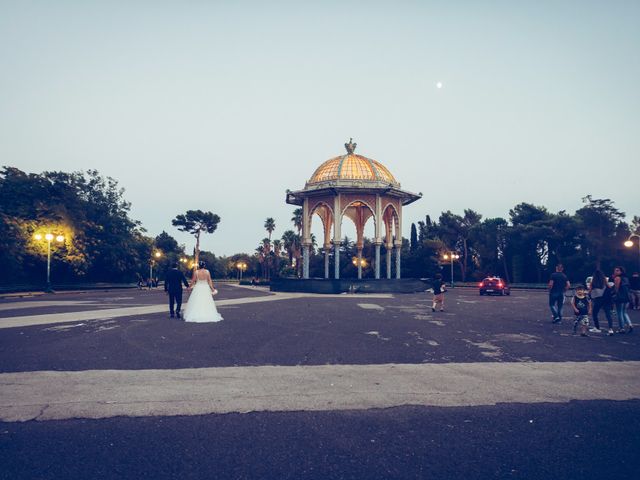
350,146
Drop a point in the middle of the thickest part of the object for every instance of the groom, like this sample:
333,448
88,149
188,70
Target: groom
173,286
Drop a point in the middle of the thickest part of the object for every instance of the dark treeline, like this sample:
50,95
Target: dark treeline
526,246
522,249
102,244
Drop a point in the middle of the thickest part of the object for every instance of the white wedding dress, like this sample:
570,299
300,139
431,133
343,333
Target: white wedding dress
201,308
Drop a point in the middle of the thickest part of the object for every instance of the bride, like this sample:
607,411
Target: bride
201,307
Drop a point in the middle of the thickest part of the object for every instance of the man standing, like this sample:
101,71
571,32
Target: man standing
173,286
558,284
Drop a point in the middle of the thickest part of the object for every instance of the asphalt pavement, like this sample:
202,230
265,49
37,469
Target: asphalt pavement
557,433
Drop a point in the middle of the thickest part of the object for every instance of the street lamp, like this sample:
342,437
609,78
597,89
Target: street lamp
359,263
156,255
451,256
241,266
629,244
49,237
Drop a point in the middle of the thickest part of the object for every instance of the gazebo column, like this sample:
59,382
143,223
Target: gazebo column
398,249
389,249
327,247
305,260
377,246
359,263
336,260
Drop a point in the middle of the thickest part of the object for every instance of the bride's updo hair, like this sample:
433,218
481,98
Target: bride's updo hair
201,264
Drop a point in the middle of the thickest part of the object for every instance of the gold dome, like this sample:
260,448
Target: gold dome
352,167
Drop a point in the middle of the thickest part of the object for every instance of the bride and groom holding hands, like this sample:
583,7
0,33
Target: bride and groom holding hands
200,308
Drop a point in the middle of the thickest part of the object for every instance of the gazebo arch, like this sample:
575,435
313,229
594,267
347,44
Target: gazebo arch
359,212
359,188
325,212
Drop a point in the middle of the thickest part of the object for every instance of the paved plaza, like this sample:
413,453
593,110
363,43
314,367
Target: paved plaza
106,385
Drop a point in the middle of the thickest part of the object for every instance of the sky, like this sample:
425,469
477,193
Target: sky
223,106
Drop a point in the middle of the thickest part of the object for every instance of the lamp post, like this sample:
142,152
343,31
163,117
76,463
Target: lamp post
157,254
49,237
241,266
360,263
629,244
185,262
451,256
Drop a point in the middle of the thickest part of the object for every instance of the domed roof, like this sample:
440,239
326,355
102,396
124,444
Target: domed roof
352,167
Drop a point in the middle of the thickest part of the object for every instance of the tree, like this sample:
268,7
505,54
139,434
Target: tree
270,226
531,235
266,254
195,222
455,232
103,243
414,237
297,220
171,252
490,239
166,243
599,220
292,244
277,248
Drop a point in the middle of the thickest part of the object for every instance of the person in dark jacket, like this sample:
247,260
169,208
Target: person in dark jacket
558,284
600,294
438,293
621,298
173,287
634,287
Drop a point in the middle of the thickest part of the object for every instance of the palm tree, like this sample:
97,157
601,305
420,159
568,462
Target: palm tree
270,226
261,256
292,244
266,246
287,242
297,219
277,247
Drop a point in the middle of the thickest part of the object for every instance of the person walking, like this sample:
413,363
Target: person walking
438,293
634,286
173,287
201,307
558,284
600,294
621,299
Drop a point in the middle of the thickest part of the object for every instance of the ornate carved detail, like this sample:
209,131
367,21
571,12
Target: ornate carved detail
351,147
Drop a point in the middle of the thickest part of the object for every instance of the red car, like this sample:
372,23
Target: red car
494,286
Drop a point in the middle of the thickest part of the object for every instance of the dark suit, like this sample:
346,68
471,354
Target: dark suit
173,285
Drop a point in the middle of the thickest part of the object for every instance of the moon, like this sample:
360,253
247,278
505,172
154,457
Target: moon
438,84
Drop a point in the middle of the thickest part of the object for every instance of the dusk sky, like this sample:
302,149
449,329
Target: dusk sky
222,106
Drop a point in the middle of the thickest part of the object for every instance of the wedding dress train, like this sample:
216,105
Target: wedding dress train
201,308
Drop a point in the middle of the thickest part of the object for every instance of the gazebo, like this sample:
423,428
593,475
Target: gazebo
359,188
